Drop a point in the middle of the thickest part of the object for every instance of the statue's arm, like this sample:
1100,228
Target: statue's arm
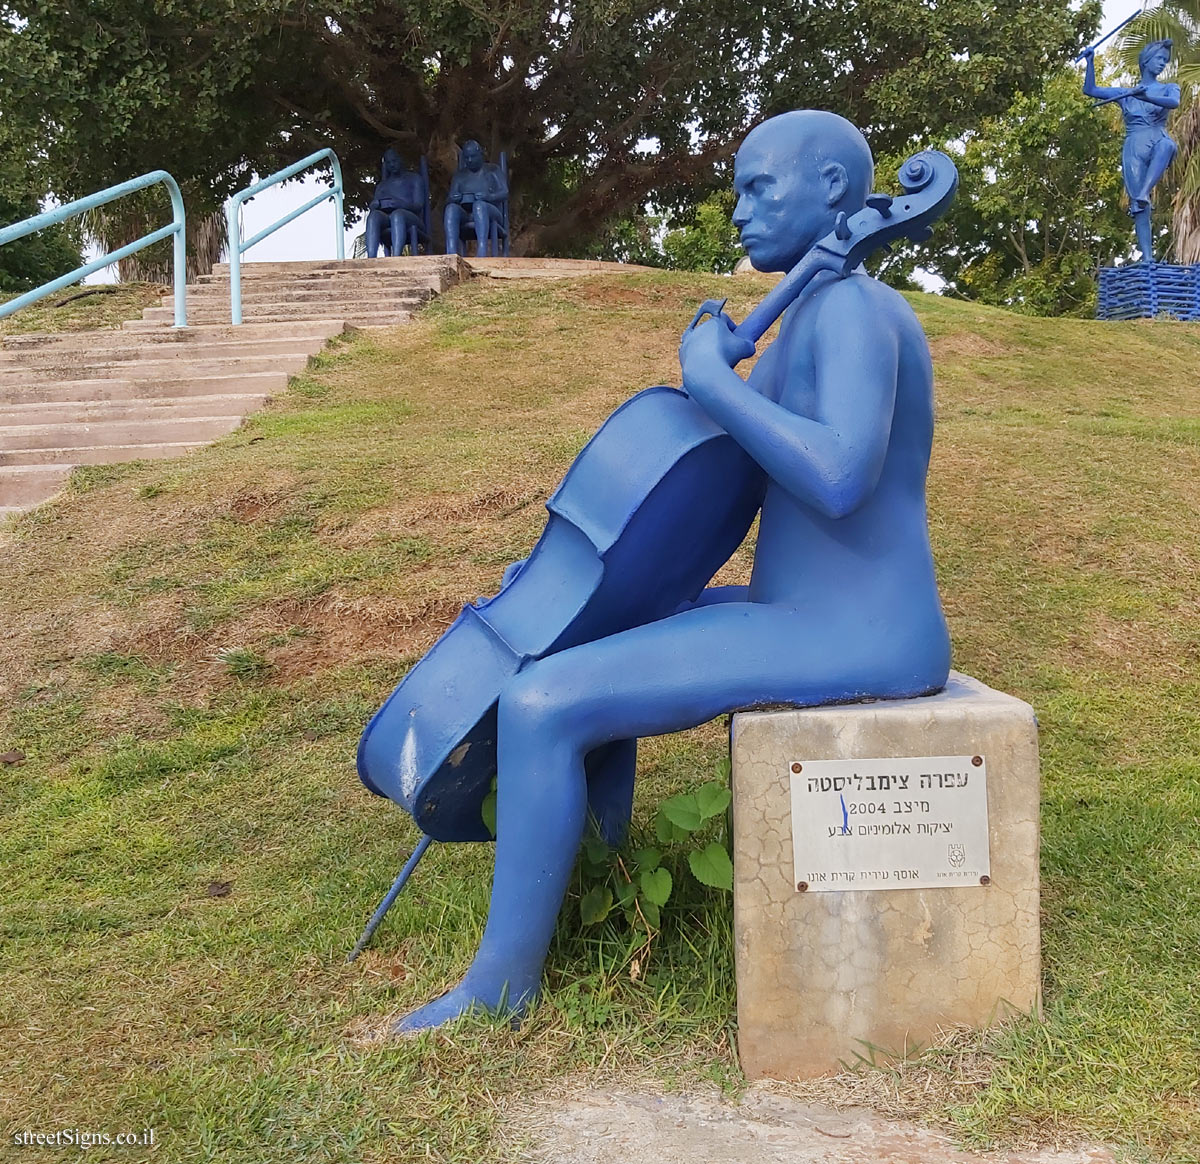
499,187
831,460
1091,89
1165,96
455,188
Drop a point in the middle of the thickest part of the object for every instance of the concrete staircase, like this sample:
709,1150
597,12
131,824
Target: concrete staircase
153,390
363,292
86,398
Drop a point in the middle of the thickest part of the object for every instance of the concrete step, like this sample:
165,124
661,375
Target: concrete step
155,369
406,295
452,265
430,277
88,434
166,387
358,318
275,311
132,350
136,408
168,337
97,454
23,486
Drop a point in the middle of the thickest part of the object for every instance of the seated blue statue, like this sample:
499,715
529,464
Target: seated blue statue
398,214
1148,151
836,422
478,199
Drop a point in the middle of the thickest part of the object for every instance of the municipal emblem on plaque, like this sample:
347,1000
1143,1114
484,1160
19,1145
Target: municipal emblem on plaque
956,855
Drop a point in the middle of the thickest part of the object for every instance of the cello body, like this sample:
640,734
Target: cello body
652,507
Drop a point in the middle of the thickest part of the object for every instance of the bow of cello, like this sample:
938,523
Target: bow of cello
652,507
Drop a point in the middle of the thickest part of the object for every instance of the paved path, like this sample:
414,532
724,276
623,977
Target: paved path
764,1128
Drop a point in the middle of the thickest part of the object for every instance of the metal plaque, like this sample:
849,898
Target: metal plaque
913,822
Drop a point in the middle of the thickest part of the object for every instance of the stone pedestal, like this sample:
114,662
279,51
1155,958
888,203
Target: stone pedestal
824,976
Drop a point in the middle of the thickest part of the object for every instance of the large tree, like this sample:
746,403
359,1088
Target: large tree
598,102
36,258
1039,206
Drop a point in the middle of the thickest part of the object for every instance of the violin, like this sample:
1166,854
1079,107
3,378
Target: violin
654,505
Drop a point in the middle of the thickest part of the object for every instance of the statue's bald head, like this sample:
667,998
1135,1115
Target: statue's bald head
811,138
793,175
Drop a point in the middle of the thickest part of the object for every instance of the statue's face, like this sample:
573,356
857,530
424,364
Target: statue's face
472,155
782,203
392,164
1158,60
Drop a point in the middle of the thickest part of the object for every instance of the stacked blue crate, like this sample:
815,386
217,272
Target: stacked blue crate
1145,290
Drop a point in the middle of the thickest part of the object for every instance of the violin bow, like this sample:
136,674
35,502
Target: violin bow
1109,35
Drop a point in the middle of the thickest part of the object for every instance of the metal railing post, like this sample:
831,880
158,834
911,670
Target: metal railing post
234,234
178,229
237,247
179,254
339,225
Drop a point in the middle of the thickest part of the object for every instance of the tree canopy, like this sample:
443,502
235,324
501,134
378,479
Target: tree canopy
1039,206
40,257
703,240
598,102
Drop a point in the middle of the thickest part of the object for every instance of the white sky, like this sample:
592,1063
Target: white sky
311,236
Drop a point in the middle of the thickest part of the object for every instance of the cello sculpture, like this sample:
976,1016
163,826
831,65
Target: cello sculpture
605,633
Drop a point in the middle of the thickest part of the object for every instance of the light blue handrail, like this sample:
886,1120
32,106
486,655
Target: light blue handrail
62,213
237,248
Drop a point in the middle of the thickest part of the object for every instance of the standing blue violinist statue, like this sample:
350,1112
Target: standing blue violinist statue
616,638
1148,151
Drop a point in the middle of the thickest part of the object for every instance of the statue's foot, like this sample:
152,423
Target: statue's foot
466,998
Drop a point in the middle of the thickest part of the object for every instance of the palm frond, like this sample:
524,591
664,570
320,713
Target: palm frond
1185,221
1157,24
117,224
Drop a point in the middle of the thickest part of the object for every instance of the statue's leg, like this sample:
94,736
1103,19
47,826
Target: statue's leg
399,221
482,222
452,224
1144,234
375,221
1161,157
662,677
611,768
610,772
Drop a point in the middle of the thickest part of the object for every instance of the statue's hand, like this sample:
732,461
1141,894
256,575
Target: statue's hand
711,346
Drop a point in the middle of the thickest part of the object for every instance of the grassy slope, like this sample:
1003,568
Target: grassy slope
84,308
329,540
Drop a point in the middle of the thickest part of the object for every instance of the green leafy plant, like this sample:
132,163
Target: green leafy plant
638,882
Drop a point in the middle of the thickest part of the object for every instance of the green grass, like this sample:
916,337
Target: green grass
83,308
189,649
